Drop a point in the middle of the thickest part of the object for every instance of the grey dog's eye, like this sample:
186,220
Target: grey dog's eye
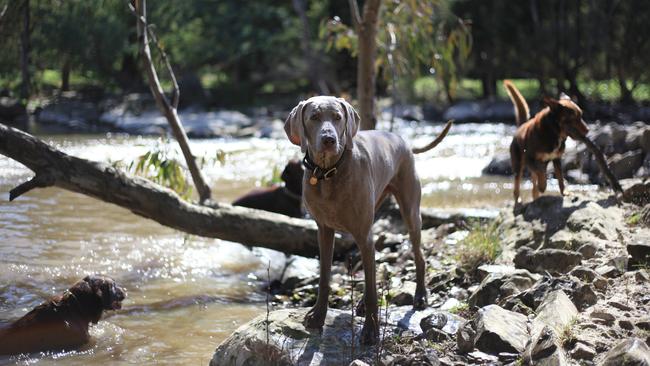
337,117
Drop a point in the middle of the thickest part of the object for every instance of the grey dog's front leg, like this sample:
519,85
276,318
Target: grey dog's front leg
370,331
315,318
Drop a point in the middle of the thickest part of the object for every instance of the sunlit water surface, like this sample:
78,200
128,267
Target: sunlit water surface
185,293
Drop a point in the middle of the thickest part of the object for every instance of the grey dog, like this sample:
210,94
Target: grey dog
349,173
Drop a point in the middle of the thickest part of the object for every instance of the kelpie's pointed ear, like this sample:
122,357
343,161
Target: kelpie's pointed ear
294,126
554,104
352,122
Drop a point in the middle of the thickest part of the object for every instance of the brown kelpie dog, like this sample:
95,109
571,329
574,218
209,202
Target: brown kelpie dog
285,200
62,322
541,139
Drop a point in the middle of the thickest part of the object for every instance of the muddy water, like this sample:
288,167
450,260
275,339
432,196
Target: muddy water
185,293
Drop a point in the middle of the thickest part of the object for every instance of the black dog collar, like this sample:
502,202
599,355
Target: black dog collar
318,173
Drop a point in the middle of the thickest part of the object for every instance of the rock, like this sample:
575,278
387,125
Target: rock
11,109
544,349
552,260
441,325
608,271
582,351
584,296
403,294
625,324
603,316
630,352
502,284
500,330
482,358
556,311
639,252
358,363
603,222
289,340
554,314
586,274
465,337
638,194
643,324
499,165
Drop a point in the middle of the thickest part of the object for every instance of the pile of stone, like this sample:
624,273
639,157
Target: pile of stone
571,286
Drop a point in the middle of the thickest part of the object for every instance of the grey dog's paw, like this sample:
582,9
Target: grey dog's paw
420,300
369,333
315,318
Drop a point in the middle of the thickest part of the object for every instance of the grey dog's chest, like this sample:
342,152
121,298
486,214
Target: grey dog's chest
332,205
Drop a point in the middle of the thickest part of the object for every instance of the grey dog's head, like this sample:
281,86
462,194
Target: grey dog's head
324,126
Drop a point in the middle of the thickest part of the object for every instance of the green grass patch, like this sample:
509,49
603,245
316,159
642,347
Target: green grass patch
633,219
428,88
481,246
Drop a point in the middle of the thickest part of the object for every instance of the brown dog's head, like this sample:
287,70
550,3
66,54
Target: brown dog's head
97,293
324,126
568,115
292,176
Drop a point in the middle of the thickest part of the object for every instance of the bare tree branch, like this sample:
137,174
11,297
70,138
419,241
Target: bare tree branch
355,14
168,108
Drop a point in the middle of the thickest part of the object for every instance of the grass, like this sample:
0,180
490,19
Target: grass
428,89
567,336
481,246
633,219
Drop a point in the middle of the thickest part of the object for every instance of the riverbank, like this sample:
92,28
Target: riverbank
570,285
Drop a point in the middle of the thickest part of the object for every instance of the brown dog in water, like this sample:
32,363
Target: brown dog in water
541,139
62,322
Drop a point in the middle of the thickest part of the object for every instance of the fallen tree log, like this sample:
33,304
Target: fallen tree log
147,199
53,168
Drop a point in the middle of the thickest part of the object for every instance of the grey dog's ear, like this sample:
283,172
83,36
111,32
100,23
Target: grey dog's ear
352,122
294,126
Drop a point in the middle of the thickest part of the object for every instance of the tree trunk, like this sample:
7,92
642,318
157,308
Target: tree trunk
366,29
315,67
168,108
147,199
25,49
65,74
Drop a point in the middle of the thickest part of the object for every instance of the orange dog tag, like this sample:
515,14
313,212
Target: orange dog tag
313,180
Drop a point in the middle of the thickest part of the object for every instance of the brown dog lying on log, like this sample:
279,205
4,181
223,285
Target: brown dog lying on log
285,200
541,139
62,322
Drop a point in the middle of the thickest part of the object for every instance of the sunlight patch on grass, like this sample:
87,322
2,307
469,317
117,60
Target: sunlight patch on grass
481,246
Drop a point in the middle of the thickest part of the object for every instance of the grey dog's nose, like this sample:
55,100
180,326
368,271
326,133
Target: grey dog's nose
328,140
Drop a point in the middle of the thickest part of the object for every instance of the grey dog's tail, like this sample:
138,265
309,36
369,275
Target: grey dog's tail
522,112
434,143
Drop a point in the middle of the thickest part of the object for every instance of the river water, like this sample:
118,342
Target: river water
186,293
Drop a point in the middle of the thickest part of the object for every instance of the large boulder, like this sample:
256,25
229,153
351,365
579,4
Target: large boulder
499,330
499,165
287,342
630,352
554,314
626,164
551,260
499,285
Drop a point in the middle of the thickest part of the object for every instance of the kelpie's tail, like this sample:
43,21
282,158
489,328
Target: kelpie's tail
435,142
521,107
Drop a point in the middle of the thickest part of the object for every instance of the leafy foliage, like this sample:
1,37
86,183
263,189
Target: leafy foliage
416,36
159,166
